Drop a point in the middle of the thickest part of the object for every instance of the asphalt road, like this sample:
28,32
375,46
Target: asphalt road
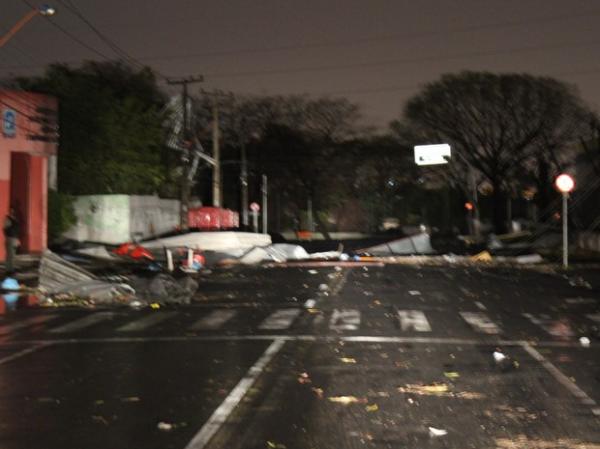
315,357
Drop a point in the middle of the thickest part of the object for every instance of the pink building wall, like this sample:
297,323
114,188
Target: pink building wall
24,151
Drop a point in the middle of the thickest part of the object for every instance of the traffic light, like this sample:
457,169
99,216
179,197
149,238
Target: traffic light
468,205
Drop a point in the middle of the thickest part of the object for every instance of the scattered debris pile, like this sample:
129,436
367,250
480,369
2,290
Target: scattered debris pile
62,282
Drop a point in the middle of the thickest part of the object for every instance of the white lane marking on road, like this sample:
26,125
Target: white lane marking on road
556,328
480,305
146,321
280,319
214,320
413,320
31,321
221,414
22,353
480,322
81,323
561,378
344,320
594,317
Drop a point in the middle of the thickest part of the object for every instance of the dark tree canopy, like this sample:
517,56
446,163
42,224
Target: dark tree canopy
111,135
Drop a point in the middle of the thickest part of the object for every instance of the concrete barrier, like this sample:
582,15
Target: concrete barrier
115,219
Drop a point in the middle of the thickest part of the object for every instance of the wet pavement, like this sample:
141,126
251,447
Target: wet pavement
304,357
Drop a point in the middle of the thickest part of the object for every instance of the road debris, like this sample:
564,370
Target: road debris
347,360
372,408
440,390
274,445
347,400
318,391
414,293
434,433
304,378
585,342
452,375
165,427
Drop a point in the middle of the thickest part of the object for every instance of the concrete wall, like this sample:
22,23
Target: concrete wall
115,219
150,216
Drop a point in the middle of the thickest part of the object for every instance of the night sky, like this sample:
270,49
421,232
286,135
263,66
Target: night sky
374,52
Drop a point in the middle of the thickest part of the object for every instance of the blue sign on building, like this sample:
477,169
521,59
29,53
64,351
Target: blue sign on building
9,123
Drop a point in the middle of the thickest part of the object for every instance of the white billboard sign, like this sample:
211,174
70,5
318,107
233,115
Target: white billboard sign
432,154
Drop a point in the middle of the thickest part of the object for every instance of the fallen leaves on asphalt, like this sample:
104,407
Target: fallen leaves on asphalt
347,400
440,390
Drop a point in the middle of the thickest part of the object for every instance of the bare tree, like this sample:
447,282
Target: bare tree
496,122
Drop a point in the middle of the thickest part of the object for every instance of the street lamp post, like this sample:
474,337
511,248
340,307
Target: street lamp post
43,10
565,184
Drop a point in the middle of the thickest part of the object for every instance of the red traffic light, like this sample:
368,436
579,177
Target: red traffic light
469,205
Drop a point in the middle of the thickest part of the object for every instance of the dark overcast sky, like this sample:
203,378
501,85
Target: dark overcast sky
374,52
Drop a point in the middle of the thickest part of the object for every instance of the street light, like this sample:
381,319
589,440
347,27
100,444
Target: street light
565,184
44,10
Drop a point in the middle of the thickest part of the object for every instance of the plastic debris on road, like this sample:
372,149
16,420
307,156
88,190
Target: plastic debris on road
585,342
414,293
347,360
165,427
434,433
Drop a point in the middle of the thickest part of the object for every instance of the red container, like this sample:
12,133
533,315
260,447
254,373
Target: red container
212,218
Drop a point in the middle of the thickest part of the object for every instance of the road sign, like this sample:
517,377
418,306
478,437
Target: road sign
432,154
254,207
9,123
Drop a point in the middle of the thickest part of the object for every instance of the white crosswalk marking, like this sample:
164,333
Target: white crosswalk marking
280,319
480,322
556,328
413,320
81,323
31,321
594,317
345,320
214,320
146,321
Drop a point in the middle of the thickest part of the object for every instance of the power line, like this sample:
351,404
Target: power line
390,37
400,61
70,35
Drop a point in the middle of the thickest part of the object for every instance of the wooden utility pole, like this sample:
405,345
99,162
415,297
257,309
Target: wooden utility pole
187,143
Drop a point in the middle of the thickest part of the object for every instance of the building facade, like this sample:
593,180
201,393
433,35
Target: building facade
28,146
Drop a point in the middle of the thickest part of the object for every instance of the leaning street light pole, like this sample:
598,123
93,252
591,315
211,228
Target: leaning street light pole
43,10
565,184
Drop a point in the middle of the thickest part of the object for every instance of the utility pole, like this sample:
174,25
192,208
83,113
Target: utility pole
187,143
244,187
216,156
264,204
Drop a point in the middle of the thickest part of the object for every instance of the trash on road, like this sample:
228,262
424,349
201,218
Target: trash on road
483,256
165,427
347,360
434,433
451,374
347,400
414,292
318,391
585,342
440,390
372,408
499,357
